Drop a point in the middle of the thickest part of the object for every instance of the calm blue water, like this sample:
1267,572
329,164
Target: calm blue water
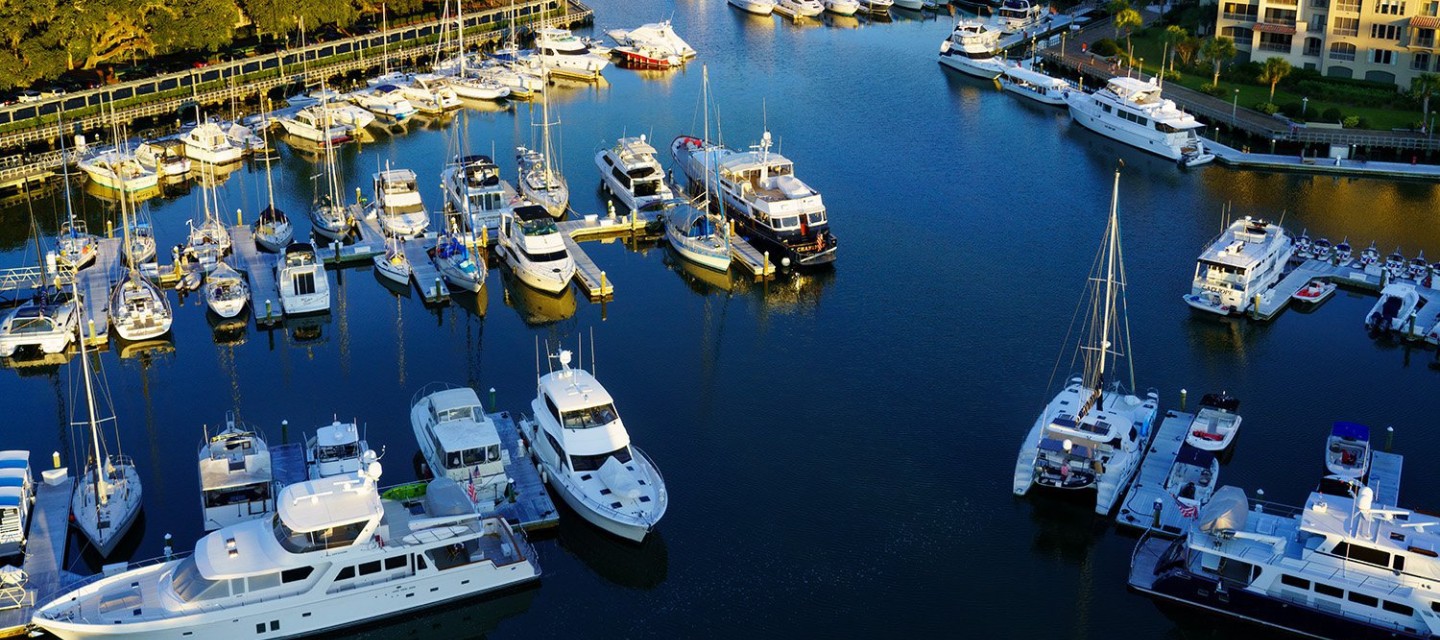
839,449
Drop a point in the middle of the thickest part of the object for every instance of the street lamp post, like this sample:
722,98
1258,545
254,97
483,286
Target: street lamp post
1304,106
1234,107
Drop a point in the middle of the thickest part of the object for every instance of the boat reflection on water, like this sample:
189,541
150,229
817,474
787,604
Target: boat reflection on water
144,351
112,196
230,332
398,290
537,308
475,304
34,362
460,620
486,106
702,280
841,22
306,330
793,292
619,561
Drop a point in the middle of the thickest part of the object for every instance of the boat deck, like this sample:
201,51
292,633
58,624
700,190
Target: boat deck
259,268
1385,470
532,508
423,271
45,548
1138,510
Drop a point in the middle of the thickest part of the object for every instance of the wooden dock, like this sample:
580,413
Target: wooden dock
44,549
95,282
369,242
531,507
1148,487
596,283
259,268
591,277
757,263
423,271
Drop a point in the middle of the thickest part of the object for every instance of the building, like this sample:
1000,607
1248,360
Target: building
1388,41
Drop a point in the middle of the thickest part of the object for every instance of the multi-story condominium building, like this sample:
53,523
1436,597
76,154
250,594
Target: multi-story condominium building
1388,41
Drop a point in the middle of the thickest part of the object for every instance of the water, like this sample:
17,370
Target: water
838,449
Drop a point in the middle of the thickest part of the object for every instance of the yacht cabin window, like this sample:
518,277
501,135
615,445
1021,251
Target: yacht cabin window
816,217
190,586
592,463
305,542
468,457
400,210
336,452
783,223
458,413
596,416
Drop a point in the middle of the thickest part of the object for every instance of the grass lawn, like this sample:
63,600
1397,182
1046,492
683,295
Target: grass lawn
1149,46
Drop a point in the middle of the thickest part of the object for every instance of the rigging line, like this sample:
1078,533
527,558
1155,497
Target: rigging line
1125,306
1070,330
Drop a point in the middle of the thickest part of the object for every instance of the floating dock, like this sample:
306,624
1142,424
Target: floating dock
369,241
95,282
1148,487
1385,470
44,549
532,508
423,270
259,268
1273,301
592,278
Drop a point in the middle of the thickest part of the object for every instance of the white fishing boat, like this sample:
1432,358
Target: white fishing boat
1027,82
540,178
336,555
564,54
531,245
1216,424
1315,292
237,482
300,276
1246,260
165,157
393,264
757,7
17,496
796,9
319,124
1193,477
842,7
1131,111
630,172
660,35
336,450
973,48
1396,308
386,102
397,203
1347,451
461,266
474,189
48,321
1093,434
117,169
108,494
459,442
586,454
225,291
207,142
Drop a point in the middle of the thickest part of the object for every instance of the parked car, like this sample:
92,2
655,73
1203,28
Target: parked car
30,95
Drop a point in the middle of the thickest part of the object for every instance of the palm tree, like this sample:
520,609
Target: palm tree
1174,35
1423,86
1275,70
1128,19
1217,50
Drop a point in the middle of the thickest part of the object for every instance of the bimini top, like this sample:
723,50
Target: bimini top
1195,457
531,213
1057,446
1350,430
316,505
337,433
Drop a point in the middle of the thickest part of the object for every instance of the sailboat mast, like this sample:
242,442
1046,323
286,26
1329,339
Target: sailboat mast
1112,237
545,136
100,494
270,186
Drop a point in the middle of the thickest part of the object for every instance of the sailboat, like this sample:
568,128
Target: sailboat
394,264
272,229
140,238
225,291
459,79
139,310
540,179
107,500
328,215
461,266
692,229
1092,435
210,240
75,246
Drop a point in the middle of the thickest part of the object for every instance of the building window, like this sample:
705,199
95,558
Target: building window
1242,36
1382,56
1239,11
1390,8
1276,42
1319,4
1424,38
1385,31
1347,5
1312,47
1421,62
1342,51
1345,27
1430,8
1317,23
1280,16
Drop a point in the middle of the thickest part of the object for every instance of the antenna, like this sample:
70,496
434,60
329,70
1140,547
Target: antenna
592,351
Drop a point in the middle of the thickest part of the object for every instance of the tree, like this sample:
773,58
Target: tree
1174,35
1275,70
1128,19
1423,86
1115,7
1218,50
1187,49
193,25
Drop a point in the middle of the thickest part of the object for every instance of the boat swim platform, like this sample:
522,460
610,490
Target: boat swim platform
44,549
1138,508
532,509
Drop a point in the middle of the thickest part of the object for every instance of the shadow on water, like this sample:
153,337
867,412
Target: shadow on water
1066,525
621,562
465,619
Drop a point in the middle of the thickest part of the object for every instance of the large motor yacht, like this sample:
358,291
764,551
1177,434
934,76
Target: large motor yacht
318,124
335,555
474,190
660,35
630,171
1245,261
759,191
397,203
973,48
119,170
587,456
531,245
1131,110
1343,567
458,441
300,276
207,142
564,54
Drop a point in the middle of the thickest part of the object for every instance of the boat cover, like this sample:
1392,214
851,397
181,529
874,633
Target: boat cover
10,497
14,459
1351,430
1226,511
13,478
1195,457
444,497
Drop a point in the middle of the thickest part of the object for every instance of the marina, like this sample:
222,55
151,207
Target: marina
970,216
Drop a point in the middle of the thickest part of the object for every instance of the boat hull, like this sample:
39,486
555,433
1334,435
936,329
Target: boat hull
537,277
1092,121
1205,303
984,68
391,271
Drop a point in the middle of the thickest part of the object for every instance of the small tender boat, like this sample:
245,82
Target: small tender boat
757,7
394,265
47,320
236,479
1370,256
1344,253
1347,450
1304,249
1398,302
1322,249
1395,264
1419,267
1193,476
1315,292
531,245
225,291
304,287
1216,423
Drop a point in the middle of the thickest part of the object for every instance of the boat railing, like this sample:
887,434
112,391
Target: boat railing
662,494
93,578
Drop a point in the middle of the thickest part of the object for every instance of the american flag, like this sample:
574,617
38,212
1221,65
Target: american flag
1189,511
470,489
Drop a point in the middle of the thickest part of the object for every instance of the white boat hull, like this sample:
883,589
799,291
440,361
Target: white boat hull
756,7
399,274
987,68
1091,120
544,278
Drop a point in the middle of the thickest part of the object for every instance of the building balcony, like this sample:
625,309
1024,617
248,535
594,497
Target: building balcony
1238,17
1279,28
1345,32
1275,48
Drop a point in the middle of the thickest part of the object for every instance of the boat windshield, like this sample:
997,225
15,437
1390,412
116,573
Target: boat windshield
302,542
466,412
597,416
332,453
538,227
400,210
468,457
592,463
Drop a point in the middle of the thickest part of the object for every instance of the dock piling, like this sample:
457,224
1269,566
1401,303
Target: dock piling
55,459
169,548
284,432
239,217
1183,395
1159,506
492,399
1389,436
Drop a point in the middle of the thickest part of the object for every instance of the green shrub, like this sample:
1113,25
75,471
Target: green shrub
1214,90
1360,94
1332,115
1350,122
1105,47
1248,72
1293,109
1267,108
1171,75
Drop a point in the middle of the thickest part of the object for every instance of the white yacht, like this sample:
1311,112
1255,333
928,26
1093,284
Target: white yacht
757,7
207,142
428,93
1246,260
880,7
460,442
335,555
47,320
629,170
1093,434
758,189
796,9
118,170
1347,451
397,203
531,245
17,494
1216,423
335,450
586,454
973,48
521,82
245,139
1016,16
236,480
1026,82
165,157
842,7
647,56
660,35
564,54
1395,309
1192,478
1131,110
386,102
304,287
474,190
225,291
1341,567
319,124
